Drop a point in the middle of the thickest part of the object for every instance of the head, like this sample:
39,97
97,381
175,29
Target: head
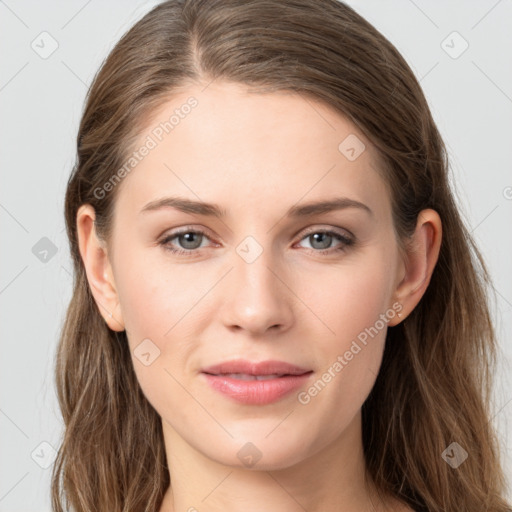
263,120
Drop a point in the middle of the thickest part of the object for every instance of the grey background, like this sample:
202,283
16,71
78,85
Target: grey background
40,105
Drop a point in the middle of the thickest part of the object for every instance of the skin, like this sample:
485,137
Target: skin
256,155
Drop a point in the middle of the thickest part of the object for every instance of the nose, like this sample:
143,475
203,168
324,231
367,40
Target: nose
257,296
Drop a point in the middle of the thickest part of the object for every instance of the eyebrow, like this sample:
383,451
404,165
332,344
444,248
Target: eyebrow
214,210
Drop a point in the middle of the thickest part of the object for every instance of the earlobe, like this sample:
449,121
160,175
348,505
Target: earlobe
421,258
98,268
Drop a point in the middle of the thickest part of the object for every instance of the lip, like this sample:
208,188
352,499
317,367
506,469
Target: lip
255,368
256,392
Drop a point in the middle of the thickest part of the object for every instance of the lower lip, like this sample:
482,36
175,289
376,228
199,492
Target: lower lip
256,392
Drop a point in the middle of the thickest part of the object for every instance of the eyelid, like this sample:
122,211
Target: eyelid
334,229
186,229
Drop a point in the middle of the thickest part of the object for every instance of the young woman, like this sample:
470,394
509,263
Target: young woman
276,304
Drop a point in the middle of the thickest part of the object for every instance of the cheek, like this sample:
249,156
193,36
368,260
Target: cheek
355,309
352,299
154,310
153,296
161,302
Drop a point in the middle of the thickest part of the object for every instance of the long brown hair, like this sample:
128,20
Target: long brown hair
434,385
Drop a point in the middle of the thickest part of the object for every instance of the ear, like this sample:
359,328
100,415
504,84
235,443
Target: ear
98,269
421,257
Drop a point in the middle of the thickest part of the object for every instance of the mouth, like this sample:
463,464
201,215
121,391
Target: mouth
257,383
246,376
240,368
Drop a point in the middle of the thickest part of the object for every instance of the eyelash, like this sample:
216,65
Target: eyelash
346,242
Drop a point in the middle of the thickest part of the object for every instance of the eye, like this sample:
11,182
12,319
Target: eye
190,240
322,239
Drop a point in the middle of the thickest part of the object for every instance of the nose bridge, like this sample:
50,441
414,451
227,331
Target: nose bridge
258,298
252,268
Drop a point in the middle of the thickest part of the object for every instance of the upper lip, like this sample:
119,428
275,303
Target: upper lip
255,368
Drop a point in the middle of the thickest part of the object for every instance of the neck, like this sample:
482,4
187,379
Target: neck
331,479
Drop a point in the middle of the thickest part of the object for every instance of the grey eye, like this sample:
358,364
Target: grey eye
186,240
323,240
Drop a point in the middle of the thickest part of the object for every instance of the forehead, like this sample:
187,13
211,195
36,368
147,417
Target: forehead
246,150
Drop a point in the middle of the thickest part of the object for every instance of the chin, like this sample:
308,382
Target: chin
260,454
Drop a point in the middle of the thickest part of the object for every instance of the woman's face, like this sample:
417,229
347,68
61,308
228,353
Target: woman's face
255,283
